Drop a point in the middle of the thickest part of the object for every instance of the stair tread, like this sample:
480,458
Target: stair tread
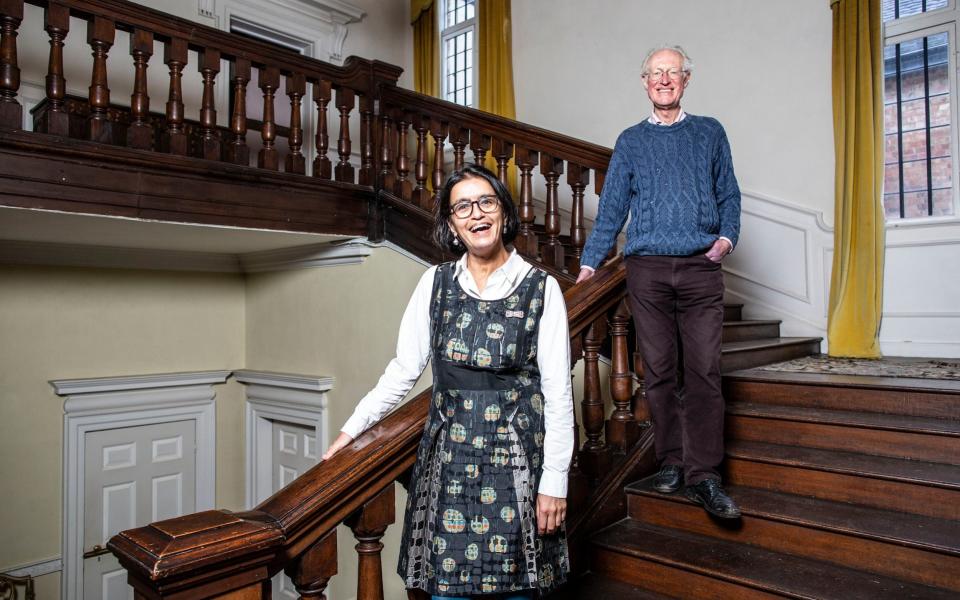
881,467
906,384
869,420
917,531
749,322
758,344
775,572
595,585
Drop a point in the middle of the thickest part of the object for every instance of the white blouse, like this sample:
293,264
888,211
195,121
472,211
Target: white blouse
553,360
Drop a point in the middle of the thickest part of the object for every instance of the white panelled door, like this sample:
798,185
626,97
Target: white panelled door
133,476
294,452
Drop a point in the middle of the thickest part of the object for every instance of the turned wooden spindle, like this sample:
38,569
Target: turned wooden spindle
552,250
479,145
593,453
438,131
421,196
365,176
578,178
55,119
404,188
526,242
622,428
313,570
11,112
296,89
268,80
368,525
209,67
100,36
140,132
322,167
175,136
502,151
641,410
387,175
345,100
237,151
459,136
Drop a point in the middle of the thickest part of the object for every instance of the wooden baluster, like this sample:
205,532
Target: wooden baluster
175,57
100,36
55,119
237,151
458,138
421,196
322,167
526,242
369,525
621,429
591,407
404,188
11,112
578,178
388,177
296,89
502,151
438,130
365,176
552,251
140,132
345,102
641,410
479,144
312,572
209,67
268,80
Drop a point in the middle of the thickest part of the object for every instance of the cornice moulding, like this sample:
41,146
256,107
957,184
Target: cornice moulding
72,387
285,380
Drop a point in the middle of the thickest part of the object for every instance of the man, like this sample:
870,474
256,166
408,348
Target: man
673,175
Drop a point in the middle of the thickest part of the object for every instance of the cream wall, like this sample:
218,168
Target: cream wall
340,321
64,323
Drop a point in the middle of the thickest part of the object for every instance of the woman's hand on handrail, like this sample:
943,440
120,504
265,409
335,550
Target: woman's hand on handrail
341,441
551,512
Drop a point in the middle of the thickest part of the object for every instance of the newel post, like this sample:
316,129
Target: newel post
368,525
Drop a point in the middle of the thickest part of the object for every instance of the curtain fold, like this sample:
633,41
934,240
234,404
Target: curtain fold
856,283
495,75
426,47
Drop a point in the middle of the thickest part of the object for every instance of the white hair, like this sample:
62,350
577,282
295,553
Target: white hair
687,63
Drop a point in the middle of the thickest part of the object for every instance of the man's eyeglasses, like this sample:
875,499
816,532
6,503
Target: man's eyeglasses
672,74
486,204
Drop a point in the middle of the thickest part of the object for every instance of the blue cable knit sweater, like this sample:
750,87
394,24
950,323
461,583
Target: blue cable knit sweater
677,184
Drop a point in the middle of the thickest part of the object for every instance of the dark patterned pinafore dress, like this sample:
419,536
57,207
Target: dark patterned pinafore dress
470,526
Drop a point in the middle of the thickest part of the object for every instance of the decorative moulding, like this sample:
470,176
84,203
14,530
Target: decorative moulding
284,380
70,387
36,569
350,252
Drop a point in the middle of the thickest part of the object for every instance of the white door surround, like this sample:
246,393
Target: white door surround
114,402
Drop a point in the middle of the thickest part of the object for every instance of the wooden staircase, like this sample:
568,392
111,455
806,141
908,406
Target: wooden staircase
751,343
849,488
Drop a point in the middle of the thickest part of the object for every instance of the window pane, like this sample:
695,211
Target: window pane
890,149
943,203
891,180
914,176
915,145
469,95
941,171
915,204
895,9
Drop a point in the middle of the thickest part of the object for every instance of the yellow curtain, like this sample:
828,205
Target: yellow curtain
495,93
856,285
426,47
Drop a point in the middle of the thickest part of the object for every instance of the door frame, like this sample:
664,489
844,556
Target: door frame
114,402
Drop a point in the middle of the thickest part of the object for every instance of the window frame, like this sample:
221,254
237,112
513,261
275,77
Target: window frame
447,33
898,31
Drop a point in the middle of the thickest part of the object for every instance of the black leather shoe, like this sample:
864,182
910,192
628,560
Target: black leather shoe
709,493
668,480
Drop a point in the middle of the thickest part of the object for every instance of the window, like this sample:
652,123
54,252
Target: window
920,136
458,27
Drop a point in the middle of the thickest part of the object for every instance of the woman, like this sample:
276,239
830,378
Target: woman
486,502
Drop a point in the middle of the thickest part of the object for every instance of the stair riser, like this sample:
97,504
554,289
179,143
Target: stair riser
877,442
879,493
732,312
909,403
912,564
671,581
746,359
743,333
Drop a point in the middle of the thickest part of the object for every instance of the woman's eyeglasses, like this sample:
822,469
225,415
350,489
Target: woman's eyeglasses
486,204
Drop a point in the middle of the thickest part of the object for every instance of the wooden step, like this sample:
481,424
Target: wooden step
752,353
742,331
899,436
593,586
733,312
898,396
692,566
915,548
910,486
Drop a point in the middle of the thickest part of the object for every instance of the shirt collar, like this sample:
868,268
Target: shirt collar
512,270
655,120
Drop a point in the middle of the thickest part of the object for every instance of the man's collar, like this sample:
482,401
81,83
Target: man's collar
655,120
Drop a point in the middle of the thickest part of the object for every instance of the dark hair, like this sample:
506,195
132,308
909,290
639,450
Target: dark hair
444,237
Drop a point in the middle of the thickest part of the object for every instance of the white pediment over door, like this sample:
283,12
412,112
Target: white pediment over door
316,28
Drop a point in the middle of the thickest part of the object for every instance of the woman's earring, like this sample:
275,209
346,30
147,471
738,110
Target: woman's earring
456,241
